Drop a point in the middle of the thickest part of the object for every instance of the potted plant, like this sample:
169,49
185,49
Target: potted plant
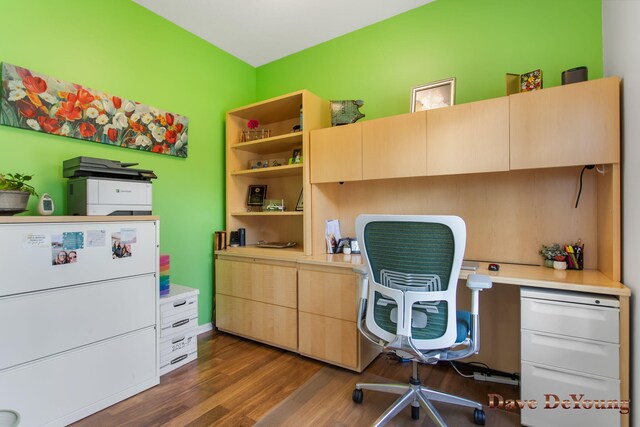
555,256
14,193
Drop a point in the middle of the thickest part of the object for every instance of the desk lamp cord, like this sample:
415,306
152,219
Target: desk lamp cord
580,190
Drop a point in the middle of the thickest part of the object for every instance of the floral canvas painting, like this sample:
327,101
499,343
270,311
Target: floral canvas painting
42,103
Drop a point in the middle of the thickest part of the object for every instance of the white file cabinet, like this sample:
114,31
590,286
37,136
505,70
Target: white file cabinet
570,349
178,328
76,337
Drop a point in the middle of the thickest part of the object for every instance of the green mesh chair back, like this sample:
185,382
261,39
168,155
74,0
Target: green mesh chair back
414,250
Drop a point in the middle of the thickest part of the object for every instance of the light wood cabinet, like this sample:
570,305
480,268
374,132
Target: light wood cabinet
327,315
257,300
395,147
576,124
336,154
468,138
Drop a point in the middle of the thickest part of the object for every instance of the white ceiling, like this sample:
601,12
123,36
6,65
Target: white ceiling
261,31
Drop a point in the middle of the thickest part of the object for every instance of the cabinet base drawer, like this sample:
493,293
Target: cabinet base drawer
179,360
177,345
173,308
550,386
328,339
574,320
92,378
265,322
179,323
588,356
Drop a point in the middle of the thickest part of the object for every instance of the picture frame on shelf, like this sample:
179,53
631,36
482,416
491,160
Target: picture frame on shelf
300,203
296,156
433,95
257,194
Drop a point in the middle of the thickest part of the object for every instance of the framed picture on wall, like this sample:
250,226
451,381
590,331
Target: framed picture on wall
433,95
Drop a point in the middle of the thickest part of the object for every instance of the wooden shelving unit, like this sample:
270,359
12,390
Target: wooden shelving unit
281,116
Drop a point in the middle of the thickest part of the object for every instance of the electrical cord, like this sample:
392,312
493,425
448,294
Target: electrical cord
459,373
580,190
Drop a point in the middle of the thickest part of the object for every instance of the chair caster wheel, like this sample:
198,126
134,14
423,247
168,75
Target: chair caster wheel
415,412
357,396
479,417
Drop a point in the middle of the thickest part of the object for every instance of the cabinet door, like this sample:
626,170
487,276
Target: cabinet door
329,339
395,147
336,154
468,138
272,284
269,323
328,294
576,124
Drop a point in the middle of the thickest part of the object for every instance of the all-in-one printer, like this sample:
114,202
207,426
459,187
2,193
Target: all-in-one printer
107,187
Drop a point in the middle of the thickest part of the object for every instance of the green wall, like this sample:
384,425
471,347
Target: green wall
475,41
121,48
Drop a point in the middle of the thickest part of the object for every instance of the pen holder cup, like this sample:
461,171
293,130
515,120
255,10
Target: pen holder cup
575,261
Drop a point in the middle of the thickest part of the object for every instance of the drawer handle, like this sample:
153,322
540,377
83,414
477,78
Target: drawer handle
179,358
180,323
177,340
179,303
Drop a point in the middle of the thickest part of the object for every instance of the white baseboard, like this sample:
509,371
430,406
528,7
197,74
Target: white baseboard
205,328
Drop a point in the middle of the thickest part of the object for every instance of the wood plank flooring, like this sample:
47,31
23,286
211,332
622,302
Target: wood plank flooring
236,382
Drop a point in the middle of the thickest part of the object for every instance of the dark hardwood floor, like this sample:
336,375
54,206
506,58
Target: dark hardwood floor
236,382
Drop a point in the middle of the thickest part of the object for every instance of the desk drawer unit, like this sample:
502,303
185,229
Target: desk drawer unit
178,327
569,346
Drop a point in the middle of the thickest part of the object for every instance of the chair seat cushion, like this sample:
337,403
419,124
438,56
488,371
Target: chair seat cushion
463,319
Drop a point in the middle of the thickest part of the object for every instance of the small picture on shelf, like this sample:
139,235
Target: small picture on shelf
257,193
300,205
296,156
258,164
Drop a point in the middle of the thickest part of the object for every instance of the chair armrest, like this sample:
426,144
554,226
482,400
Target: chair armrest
478,282
363,281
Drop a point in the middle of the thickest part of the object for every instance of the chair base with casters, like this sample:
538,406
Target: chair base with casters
416,395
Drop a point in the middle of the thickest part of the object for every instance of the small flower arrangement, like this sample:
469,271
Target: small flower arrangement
554,252
254,133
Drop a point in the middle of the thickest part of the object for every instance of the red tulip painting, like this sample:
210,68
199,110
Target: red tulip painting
42,103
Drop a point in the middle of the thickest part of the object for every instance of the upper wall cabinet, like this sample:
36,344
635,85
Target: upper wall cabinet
576,124
468,138
336,154
395,147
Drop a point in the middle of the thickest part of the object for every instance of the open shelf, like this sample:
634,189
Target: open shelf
272,172
285,213
274,144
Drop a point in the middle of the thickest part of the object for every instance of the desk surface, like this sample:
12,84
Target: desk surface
520,275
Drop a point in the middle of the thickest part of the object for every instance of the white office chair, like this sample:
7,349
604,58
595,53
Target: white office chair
408,303
9,418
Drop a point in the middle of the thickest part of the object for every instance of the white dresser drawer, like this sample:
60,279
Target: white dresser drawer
174,346
58,390
561,351
179,323
181,305
575,320
180,359
538,381
49,322
26,254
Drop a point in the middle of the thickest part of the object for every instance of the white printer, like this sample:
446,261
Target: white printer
107,187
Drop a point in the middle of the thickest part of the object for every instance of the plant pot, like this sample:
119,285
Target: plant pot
13,202
560,265
548,263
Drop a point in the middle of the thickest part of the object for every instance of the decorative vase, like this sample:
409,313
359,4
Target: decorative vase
560,265
548,263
